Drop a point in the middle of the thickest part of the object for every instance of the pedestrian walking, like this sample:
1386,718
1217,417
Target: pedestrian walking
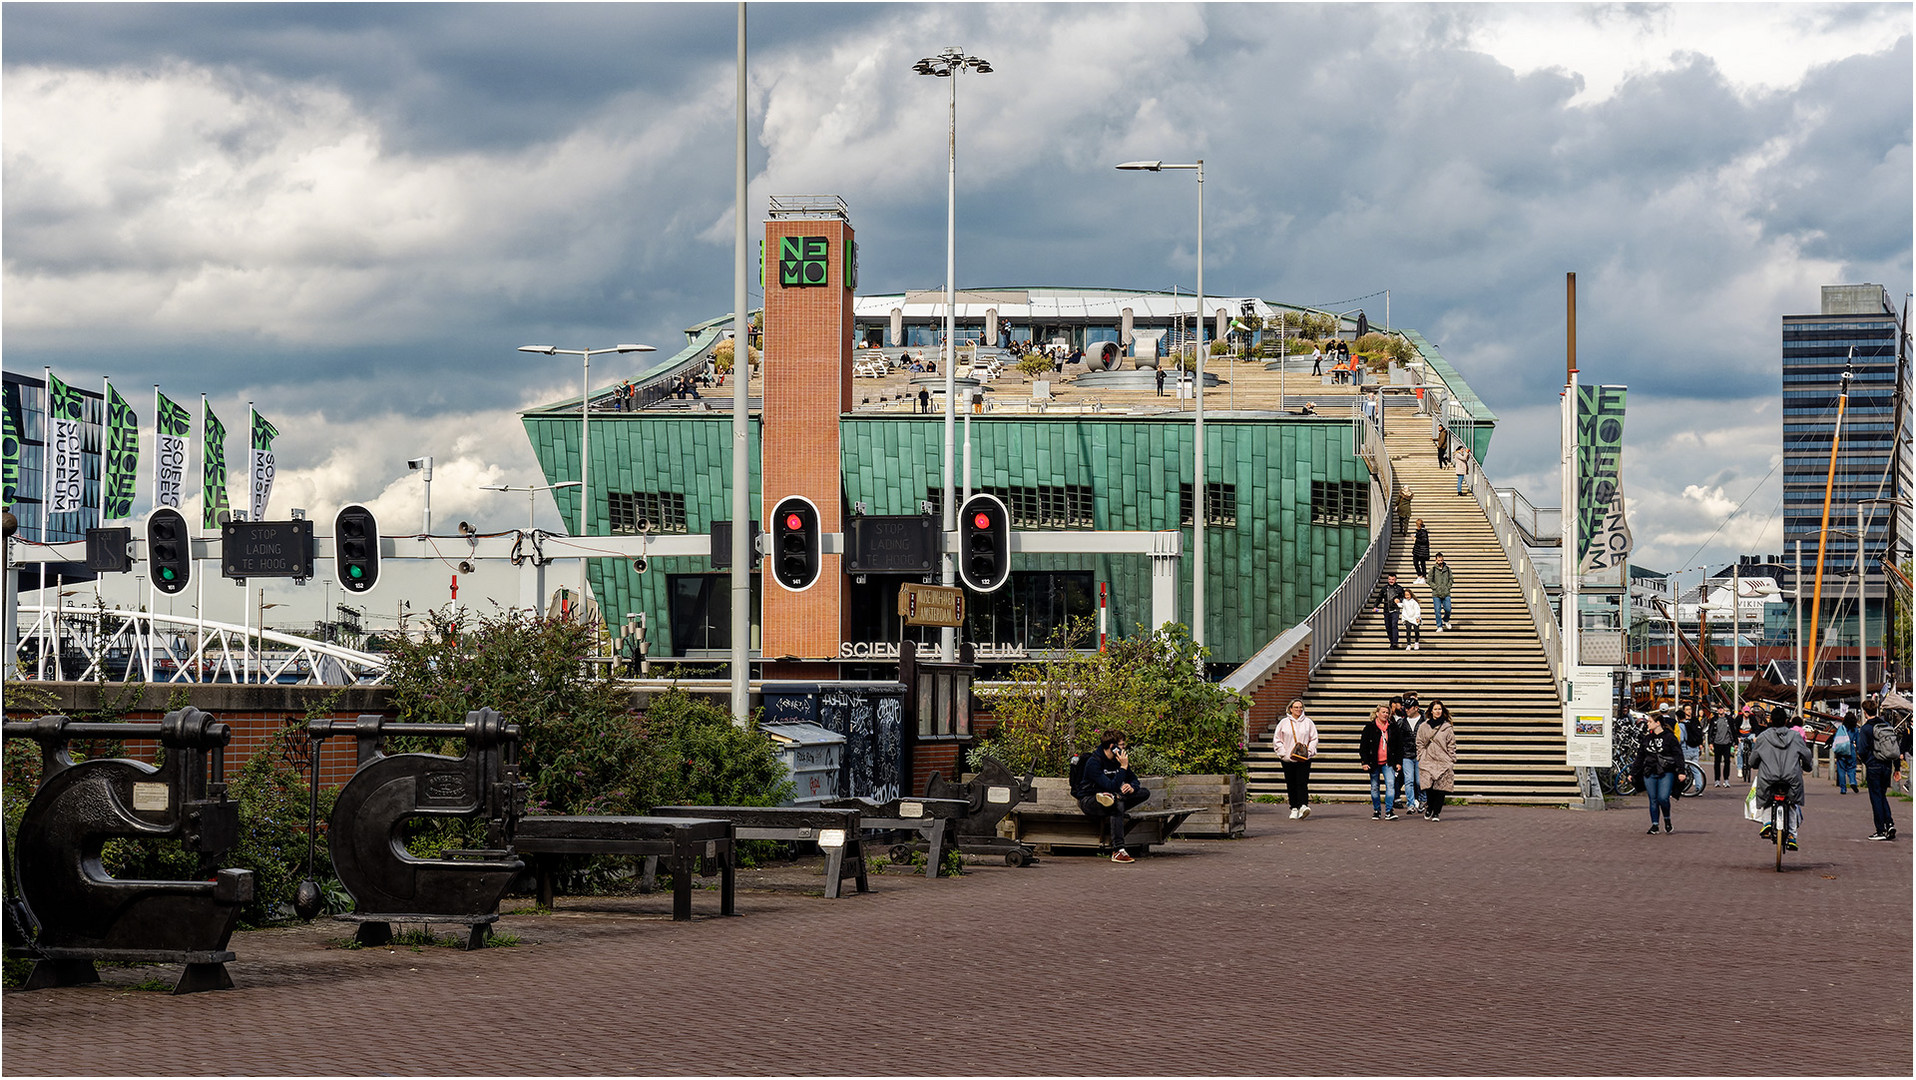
1690,732
1441,580
1389,596
1410,720
1723,744
1411,615
1317,360
1659,756
1843,743
1882,753
1160,382
1420,551
1443,448
1380,749
924,400
1460,460
1296,744
1437,759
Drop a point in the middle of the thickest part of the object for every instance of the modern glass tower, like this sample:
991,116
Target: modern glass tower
1858,326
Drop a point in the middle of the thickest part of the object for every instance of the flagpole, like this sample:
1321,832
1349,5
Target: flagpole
246,609
46,510
199,579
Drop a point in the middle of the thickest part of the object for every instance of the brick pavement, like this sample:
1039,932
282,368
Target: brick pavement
1510,940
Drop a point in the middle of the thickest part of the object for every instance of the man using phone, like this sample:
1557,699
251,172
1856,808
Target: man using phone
1106,787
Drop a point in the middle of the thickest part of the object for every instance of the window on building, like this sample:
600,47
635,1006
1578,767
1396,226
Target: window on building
1220,504
663,510
1340,502
1031,608
1061,506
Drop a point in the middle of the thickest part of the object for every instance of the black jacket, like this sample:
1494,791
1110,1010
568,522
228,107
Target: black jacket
1658,754
1099,773
1420,548
1390,595
1693,730
1367,745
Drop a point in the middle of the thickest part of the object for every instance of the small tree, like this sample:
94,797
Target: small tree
1150,686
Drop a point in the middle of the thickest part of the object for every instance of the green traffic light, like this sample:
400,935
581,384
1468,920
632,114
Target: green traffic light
355,572
168,573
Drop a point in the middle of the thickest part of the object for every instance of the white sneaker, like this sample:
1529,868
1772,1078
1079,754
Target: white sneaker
1293,813
1304,811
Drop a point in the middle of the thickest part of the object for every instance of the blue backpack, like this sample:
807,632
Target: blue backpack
1841,745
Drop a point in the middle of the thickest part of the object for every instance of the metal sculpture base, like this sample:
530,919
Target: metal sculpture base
74,967
378,930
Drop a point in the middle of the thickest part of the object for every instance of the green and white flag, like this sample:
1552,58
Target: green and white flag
13,458
262,470
172,427
1603,536
122,466
66,479
214,507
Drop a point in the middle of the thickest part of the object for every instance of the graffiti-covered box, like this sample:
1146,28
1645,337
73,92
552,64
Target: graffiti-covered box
812,757
870,715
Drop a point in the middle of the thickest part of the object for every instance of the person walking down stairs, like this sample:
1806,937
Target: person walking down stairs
1441,580
1411,615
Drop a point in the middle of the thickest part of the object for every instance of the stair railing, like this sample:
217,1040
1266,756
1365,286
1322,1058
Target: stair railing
1334,616
1536,597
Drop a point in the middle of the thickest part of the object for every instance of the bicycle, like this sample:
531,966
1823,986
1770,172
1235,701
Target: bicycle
1691,781
1778,827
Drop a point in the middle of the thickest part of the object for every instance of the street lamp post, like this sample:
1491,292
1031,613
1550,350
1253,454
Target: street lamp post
947,65
585,425
1197,452
423,465
532,496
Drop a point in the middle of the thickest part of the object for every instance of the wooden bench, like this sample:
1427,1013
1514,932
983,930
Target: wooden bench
1055,820
681,840
929,818
834,831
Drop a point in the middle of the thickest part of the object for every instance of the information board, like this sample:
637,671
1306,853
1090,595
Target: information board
1589,721
251,549
892,543
931,605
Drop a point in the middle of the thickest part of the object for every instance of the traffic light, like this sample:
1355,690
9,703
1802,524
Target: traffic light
795,543
169,551
356,548
984,543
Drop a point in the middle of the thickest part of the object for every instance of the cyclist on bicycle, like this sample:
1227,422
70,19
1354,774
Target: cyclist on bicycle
1780,757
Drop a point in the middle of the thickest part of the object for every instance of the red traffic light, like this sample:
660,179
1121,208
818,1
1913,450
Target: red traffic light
793,521
982,520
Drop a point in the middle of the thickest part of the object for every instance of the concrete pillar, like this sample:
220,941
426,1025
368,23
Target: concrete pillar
1124,328
897,327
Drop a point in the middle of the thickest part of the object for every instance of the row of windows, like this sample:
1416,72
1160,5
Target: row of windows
1220,504
1052,506
1340,502
662,511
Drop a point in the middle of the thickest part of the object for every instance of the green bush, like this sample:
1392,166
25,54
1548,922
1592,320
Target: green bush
1150,686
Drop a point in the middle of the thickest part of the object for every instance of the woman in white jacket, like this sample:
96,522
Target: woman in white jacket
1295,741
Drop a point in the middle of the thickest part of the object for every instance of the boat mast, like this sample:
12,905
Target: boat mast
1807,675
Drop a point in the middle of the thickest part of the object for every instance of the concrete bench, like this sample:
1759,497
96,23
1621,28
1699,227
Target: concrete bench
681,840
836,832
929,818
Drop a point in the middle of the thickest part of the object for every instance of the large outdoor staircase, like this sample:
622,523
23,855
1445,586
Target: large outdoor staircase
1489,668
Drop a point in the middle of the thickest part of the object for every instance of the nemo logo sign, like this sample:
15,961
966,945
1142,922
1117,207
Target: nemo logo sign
804,261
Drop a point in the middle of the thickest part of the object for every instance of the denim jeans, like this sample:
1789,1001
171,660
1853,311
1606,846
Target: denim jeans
1383,780
1460,483
1658,788
1441,604
1878,778
1409,774
1846,774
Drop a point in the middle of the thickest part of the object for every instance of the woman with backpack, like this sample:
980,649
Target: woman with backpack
1843,744
1690,727
1659,759
1295,741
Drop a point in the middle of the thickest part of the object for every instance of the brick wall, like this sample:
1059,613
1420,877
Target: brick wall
807,361
1269,701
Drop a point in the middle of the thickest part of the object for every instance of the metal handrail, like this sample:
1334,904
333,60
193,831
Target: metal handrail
1540,525
1333,618
1536,596
214,643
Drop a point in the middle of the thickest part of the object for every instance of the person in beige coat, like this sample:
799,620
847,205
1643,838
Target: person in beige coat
1436,759
1295,740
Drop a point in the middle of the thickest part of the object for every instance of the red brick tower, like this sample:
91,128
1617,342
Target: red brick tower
810,272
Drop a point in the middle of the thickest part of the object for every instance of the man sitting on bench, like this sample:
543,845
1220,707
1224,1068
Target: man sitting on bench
1106,787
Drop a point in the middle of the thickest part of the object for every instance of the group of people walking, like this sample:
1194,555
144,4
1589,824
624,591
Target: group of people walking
1409,752
1769,748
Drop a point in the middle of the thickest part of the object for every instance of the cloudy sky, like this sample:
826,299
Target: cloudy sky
352,214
